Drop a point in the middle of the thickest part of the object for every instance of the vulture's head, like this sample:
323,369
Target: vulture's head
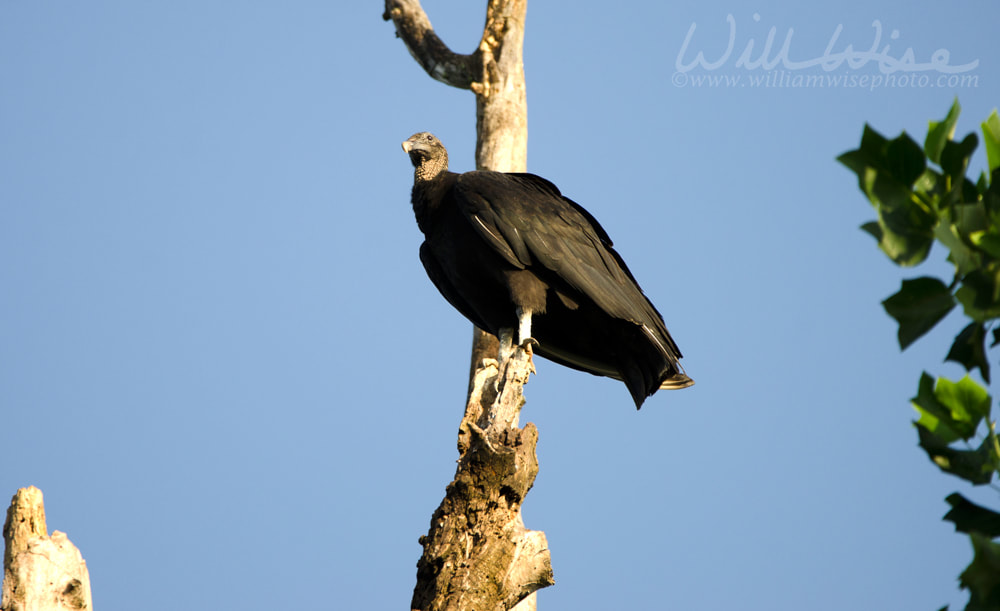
427,154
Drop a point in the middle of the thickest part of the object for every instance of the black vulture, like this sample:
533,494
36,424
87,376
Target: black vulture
510,252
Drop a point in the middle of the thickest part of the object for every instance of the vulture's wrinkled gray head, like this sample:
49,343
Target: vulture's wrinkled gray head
427,154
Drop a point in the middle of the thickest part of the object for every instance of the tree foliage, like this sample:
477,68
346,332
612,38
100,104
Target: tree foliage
921,195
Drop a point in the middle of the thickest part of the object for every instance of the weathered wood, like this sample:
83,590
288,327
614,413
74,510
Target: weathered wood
501,94
440,62
478,554
41,573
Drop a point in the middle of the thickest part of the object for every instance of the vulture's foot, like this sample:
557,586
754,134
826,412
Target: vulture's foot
528,345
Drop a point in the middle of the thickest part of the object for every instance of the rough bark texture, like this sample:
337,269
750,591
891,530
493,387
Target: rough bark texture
478,554
41,573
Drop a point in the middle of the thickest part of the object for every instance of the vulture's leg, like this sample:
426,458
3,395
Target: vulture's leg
506,338
524,338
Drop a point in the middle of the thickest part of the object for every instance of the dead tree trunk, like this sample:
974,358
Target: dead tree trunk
478,554
40,573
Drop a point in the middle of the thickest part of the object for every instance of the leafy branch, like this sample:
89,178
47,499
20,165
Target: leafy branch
921,196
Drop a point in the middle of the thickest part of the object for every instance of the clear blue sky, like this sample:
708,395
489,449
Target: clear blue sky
222,362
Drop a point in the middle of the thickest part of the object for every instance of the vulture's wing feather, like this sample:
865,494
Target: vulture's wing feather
527,220
447,289
476,195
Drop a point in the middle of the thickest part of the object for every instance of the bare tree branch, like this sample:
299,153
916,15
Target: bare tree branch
414,28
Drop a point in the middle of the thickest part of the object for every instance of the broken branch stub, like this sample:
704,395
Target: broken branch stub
41,573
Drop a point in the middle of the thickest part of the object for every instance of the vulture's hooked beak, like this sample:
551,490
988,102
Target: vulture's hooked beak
407,146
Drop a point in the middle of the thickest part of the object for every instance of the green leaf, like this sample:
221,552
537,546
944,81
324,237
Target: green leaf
960,254
940,132
905,248
904,159
969,517
969,350
918,306
931,186
991,138
967,401
955,157
970,215
983,183
955,154
887,171
950,410
980,293
991,197
866,155
873,230
935,417
969,193
974,466
982,577
987,242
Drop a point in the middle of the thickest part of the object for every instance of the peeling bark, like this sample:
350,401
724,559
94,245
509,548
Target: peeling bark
41,573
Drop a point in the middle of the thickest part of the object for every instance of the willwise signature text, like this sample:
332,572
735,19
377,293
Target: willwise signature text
834,56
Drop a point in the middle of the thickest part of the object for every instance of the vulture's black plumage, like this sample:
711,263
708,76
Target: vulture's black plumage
512,254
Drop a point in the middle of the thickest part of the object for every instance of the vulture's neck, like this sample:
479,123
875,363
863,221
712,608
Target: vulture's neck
430,183
430,169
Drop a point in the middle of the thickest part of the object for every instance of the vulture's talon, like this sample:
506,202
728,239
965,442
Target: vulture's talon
529,345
